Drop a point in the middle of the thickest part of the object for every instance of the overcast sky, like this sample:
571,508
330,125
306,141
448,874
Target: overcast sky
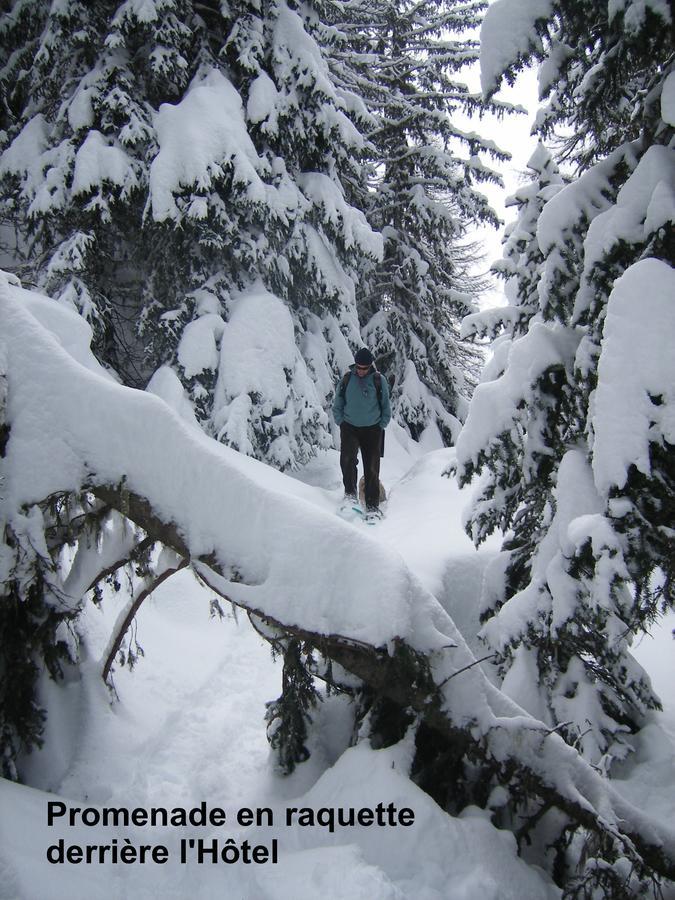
512,133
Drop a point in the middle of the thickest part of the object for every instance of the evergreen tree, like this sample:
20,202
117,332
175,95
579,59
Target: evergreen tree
521,486
520,267
288,717
165,161
182,174
569,427
406,60
34,622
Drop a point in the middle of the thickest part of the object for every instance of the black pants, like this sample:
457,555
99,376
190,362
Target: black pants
369,441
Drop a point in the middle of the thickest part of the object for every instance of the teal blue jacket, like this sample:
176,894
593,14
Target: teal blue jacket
360,406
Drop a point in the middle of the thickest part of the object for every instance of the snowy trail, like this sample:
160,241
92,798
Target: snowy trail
422,514
198,694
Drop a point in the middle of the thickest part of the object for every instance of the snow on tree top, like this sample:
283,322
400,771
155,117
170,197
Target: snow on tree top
141,10
258,345
495,403
352,223
586,196
24,156
262,100
81,108
97,161
540,158
198,348
644,204
634,12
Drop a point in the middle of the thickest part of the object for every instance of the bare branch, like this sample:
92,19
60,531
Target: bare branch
131,612
136,551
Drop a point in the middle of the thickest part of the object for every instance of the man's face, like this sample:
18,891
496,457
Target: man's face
362,371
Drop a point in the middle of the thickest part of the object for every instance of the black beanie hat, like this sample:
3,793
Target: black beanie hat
364,357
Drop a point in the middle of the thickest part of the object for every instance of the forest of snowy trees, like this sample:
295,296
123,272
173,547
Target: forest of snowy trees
330,195
223,201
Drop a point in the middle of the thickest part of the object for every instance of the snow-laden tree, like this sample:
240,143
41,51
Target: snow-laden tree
572,428
406,60
518,467
520,267
182,174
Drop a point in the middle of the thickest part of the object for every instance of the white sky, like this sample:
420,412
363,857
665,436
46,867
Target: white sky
512,133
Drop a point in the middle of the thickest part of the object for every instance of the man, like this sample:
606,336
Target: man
361,409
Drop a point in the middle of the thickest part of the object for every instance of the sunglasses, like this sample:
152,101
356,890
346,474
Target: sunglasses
362,368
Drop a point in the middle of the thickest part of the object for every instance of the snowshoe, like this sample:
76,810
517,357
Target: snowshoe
373,516
350,509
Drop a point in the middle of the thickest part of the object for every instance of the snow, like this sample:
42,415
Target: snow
634,404
585,196
81,108
257,346
577,500
351,223
96,161
494,407
300,64
37,165
64,325
507,33
198,348
645,203
141,10
262,101
187,724
51,393
192,155
166,385
488,321
521,683
187,727
259,358
24,154
635,13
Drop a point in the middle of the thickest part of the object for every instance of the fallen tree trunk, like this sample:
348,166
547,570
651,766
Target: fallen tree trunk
517,748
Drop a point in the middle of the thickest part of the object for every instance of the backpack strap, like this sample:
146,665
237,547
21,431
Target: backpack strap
344,383
377,378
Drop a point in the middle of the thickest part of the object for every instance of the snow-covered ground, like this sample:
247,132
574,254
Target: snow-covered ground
187,726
